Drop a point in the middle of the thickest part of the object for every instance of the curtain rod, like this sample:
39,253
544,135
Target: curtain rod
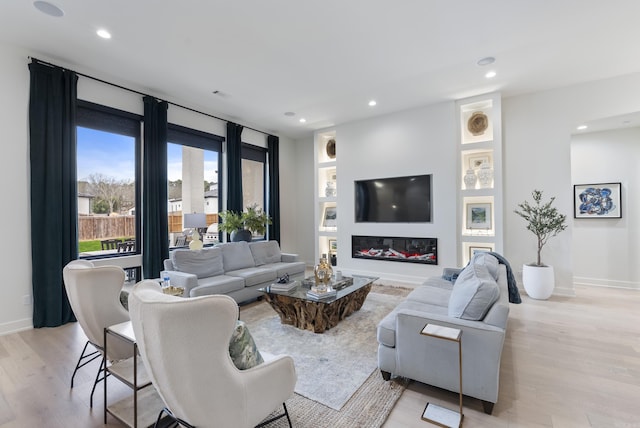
142,93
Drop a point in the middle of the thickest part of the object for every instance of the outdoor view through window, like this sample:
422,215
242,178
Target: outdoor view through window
108,217
192,175
106,171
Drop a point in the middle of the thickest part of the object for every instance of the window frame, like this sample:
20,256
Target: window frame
201,140
259,154
108,119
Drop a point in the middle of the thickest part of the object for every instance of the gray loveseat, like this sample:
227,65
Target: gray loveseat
478,304
237,269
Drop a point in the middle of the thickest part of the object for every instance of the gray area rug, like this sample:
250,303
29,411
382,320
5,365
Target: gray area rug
331,366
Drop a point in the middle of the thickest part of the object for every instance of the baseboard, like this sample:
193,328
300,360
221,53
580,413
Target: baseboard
16,326
599,282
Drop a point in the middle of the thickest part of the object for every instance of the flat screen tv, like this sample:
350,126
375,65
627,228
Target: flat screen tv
394,200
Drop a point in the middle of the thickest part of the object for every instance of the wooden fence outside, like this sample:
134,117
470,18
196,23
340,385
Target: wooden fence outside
123,226
104,227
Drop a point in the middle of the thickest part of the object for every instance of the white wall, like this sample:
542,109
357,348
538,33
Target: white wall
14,86
14,174
418,141
606,250
537,132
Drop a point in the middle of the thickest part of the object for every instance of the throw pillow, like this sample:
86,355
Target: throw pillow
202,263
473,294
451,274
243,349
487,260
265,252
236,255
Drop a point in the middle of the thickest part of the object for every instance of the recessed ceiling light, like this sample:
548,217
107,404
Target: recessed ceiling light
372,103
487,60
103,33
303,120
48,8
581,127
490,75
289,113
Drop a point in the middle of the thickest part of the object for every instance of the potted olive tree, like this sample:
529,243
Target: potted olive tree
242,226
544,221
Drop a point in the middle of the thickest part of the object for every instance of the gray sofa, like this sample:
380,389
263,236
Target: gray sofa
237,269
478,304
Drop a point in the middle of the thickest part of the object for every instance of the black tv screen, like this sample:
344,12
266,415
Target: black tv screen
394,200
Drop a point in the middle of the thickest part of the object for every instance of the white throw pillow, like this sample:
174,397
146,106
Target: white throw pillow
473,294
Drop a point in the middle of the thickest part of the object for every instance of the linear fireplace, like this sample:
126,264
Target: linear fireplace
396,249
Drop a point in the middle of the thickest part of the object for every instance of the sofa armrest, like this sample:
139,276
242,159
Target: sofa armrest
427,360
185,280
288,257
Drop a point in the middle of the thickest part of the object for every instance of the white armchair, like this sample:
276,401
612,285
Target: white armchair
184,344
94,295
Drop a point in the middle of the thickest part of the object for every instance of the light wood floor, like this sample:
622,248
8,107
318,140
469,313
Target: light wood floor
567,362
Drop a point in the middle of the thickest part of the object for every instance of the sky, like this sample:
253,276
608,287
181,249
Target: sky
113,155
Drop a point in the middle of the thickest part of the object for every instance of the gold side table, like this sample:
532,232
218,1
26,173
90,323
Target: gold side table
434,413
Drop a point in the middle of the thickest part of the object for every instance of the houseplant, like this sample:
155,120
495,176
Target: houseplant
242,226
544,221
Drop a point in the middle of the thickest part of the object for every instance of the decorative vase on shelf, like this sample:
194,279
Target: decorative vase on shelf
485,175
330,190
470,179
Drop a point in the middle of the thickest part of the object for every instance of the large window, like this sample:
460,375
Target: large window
254,160
108,143
193,172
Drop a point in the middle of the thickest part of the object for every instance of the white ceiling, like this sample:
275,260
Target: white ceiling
324,60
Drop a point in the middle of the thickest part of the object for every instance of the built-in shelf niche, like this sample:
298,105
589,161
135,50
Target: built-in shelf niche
480,203
469,123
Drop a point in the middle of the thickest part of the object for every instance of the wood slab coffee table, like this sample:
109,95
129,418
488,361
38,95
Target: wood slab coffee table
298,310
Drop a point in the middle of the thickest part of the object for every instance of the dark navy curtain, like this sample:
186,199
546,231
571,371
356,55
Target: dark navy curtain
54,228
234,167
273,156
155,228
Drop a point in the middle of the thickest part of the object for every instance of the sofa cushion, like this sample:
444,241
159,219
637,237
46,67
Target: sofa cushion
265,252
292,268
219,284
255,275
473,293
202,263
386,333
489,261
432,295
236,255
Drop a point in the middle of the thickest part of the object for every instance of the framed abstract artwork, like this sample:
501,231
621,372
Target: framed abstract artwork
601,200
479,216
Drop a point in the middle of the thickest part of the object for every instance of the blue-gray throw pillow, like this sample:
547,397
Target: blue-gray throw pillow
487,260
473,293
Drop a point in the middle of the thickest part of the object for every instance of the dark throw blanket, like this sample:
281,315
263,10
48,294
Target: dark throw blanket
514,294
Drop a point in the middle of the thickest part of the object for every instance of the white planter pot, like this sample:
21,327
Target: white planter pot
538,281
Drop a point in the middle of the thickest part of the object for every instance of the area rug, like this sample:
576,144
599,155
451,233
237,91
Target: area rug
369,407
331,366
